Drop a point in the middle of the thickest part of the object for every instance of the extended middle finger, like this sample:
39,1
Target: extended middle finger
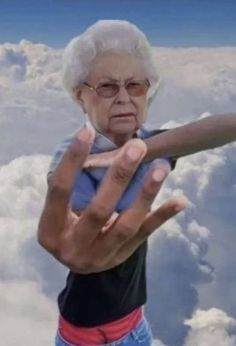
115,182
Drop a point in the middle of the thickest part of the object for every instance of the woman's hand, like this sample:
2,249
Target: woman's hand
97,239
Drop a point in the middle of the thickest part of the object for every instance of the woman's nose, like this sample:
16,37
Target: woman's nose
122,95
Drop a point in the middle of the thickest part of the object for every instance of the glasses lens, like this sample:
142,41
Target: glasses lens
137,88
134,88
107,89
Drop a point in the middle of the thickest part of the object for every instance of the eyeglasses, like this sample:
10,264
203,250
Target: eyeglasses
110,89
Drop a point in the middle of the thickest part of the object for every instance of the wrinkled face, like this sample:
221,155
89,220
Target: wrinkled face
120,115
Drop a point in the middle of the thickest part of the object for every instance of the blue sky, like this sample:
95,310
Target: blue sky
166,23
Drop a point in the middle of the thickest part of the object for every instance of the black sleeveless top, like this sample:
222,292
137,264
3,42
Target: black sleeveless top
89,300
92,299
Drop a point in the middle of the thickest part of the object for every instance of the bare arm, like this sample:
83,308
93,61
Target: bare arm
208,133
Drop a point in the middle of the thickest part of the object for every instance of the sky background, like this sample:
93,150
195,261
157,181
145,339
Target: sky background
166,23
191,272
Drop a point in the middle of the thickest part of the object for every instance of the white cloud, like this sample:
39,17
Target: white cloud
201,247
158,343
210,328
28,276
27,316
20,202
176,264
194,80
32,100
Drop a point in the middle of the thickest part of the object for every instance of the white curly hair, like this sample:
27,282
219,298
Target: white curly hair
113,35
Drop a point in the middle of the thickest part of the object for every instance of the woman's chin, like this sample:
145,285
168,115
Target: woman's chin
123,127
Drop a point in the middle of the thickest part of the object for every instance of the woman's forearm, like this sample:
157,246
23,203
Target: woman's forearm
207,133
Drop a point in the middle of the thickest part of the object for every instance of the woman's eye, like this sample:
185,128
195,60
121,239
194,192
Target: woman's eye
107,85
133,84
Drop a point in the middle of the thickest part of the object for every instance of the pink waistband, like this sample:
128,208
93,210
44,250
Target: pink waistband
105,333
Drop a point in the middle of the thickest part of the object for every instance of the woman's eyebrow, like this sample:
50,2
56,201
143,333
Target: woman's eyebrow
116,80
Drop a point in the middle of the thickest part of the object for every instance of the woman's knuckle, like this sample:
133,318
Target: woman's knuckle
98,213
144,233
122,174
123,232
67,257
148,195
121,236
167,215
73,154
48,243
57,189
74,262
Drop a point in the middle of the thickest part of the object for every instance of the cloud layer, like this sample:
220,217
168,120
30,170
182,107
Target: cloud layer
191,261
192,258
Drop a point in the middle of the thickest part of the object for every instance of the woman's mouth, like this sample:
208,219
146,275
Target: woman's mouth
123,115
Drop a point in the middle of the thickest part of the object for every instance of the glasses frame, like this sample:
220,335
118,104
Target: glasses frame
95,88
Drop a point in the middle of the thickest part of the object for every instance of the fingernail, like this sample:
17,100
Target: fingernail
158,175
178,208
84,134
161,161
182,203
134,153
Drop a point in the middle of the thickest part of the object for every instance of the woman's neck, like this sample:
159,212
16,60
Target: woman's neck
120,139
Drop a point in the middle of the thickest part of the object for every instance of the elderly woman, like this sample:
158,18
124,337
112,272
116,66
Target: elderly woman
110,73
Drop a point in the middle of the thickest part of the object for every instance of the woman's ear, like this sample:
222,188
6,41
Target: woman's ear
78,96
